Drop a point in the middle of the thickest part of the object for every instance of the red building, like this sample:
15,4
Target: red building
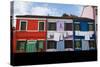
29,34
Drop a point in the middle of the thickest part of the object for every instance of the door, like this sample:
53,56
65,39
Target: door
31,46
60,45
85,45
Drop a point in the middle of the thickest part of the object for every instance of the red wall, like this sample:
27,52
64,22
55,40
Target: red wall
33,34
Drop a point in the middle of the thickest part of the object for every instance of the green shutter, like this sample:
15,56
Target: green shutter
31,46
40,44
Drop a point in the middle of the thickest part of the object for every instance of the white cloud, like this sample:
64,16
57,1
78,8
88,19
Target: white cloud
44,11
26,8
21,8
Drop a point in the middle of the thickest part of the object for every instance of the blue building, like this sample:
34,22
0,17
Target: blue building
84,34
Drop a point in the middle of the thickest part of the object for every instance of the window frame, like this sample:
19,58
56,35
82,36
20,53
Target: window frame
24,45
92,26
71,28
68,47
78,23
93,47
39,27
48,26
26,25
80,44
38,43
50,44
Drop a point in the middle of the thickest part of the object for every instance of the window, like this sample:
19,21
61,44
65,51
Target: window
68,44
91,27
92,44
51,45
23,25
77,27
77,44
41,26
51,26
20,47
67,26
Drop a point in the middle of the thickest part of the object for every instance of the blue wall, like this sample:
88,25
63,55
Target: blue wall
84,26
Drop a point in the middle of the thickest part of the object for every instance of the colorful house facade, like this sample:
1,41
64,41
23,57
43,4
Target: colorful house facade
84,34
60,34
50,33
30,34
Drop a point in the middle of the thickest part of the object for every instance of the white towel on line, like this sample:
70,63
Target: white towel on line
87,37
56,36
61,36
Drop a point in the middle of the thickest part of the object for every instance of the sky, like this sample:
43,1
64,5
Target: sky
40,8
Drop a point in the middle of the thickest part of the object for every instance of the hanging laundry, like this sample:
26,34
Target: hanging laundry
65,34
50,35
61,36
91,33
60,26
77,33
56,36
87,37
83,33
85,45
70,32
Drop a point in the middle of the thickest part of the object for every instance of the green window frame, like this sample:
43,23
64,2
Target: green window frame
40,45
91,27
41,26
23,25
77,44
92,44
77,26
21,46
